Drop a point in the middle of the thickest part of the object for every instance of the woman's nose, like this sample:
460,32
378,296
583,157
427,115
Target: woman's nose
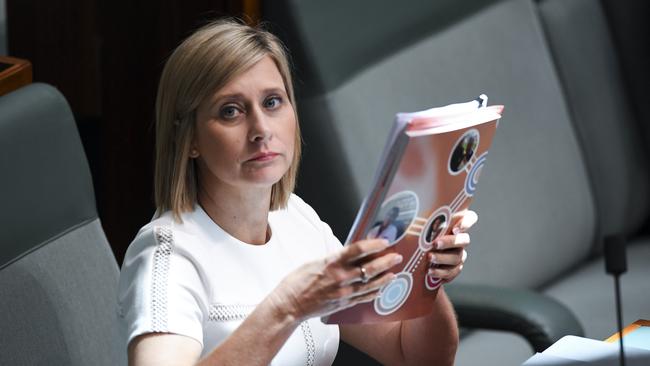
260,130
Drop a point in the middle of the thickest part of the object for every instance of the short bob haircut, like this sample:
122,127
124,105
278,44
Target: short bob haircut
204,63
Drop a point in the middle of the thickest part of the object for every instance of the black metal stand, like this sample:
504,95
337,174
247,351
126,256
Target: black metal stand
616,264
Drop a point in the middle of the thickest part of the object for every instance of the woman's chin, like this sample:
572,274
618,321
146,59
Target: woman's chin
263,180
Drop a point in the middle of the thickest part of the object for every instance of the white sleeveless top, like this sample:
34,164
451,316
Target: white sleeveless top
194,279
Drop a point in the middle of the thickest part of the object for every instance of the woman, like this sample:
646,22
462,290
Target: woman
235,269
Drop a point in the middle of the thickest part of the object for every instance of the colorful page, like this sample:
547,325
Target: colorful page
430,173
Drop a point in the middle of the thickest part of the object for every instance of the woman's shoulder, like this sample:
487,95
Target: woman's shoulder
298,205
297,208
301,220
300,214
157,220
158,223
163,230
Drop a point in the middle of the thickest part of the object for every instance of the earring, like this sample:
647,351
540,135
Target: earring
194,153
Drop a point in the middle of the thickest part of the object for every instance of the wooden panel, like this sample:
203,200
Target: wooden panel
14,73
60,39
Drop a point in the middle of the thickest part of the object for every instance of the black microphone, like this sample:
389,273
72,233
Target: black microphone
616,265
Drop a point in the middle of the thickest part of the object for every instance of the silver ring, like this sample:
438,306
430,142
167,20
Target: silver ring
364,275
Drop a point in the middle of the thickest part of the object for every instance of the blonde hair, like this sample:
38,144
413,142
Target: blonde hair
204,63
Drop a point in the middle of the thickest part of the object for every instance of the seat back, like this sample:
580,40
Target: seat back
581,43
534,198
58,276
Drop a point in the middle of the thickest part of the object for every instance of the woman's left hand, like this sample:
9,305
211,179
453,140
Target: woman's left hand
449,253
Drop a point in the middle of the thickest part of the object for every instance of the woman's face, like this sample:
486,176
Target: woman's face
245,132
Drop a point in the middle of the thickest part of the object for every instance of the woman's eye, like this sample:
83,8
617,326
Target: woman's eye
229,112
272,102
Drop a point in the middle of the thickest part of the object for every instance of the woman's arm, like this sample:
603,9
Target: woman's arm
315,289
267,327
430,340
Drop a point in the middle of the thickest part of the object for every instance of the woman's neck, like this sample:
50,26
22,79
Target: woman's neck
241,213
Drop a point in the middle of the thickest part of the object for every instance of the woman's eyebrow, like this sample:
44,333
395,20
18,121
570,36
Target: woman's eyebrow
272,90
214,101
220,97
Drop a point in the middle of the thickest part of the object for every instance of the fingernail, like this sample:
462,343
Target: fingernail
439,244
397,259
455,230
431,272
433,259
385,242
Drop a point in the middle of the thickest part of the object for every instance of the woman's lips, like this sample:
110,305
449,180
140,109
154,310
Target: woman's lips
265,156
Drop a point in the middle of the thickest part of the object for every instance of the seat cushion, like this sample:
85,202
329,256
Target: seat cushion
58,303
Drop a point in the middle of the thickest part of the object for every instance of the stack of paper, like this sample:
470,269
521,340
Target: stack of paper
572,350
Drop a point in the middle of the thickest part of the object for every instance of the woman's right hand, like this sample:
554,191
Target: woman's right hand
336,282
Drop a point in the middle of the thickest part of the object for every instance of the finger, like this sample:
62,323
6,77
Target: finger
379,265
452,241
362,248
360,288
367,297
352,301
450,279
465,220
371,289
354,273
450,257
447,273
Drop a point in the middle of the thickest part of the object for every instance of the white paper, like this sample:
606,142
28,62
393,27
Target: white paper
596,353
542,359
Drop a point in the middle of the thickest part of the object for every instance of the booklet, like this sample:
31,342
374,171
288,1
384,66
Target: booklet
428,171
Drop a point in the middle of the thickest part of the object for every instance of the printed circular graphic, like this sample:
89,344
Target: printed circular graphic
394,217
432,283
393,295
435,227
472,178
463,151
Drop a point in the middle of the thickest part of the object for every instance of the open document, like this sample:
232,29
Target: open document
428,171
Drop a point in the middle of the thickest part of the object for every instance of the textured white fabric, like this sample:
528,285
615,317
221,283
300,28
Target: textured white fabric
193,278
